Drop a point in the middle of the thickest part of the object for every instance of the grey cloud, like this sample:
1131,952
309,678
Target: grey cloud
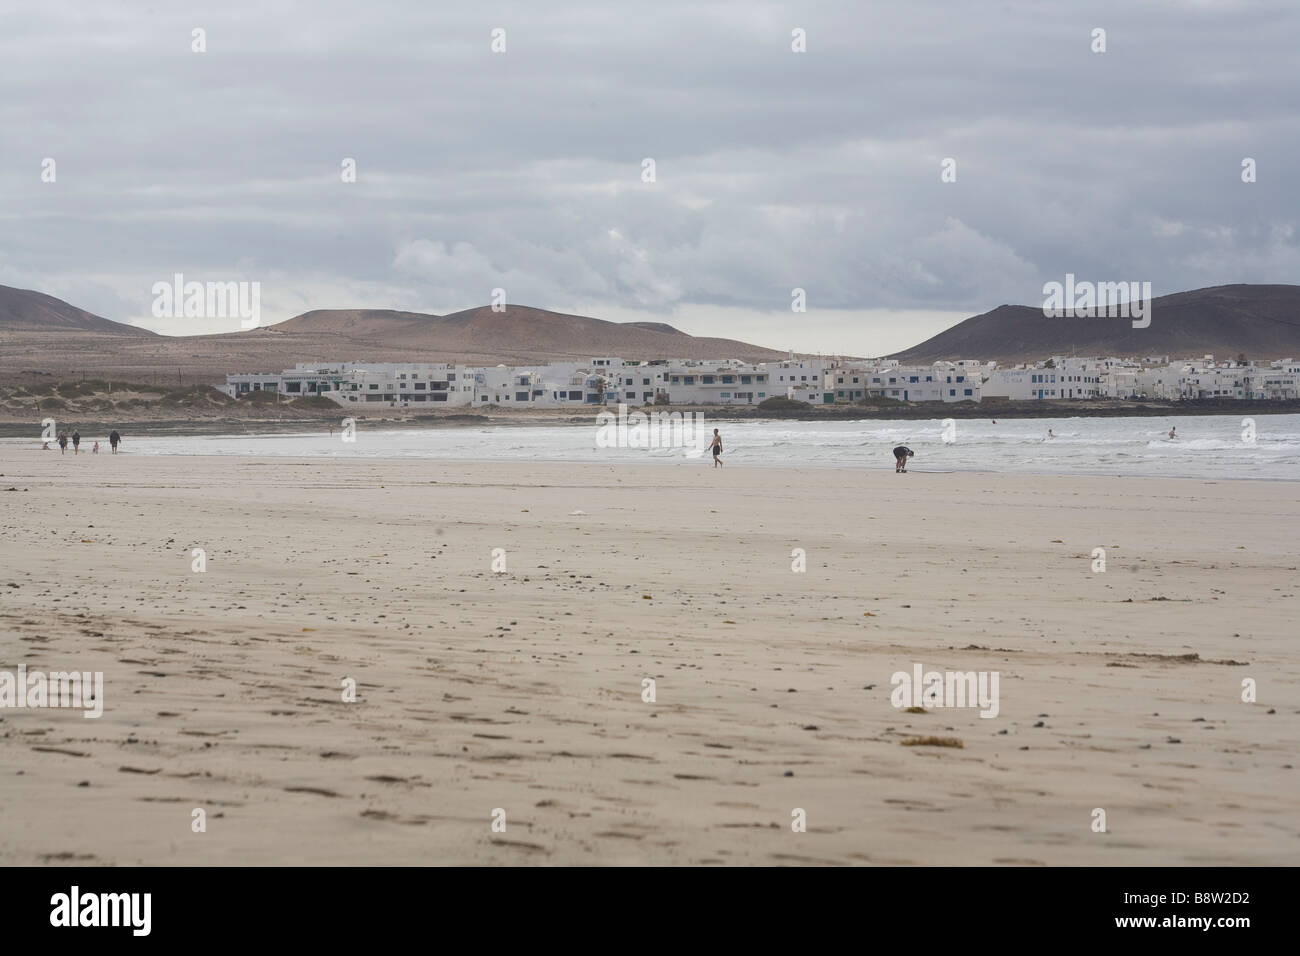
522,170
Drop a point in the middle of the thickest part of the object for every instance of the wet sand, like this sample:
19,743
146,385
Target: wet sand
522,691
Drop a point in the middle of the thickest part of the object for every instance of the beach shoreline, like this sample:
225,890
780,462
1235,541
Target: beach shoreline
876,467
275,419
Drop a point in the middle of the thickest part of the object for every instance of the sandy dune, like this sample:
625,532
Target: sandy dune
522,690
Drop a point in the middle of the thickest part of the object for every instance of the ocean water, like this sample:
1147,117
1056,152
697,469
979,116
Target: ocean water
1209,446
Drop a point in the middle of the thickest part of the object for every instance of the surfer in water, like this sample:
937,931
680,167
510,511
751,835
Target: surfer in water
1049,434
1171,433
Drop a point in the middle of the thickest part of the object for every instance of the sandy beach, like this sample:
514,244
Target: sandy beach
521,691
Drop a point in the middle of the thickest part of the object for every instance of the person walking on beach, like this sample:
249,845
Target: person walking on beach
76,442
95,450
901,454
716,446
63,443
113,439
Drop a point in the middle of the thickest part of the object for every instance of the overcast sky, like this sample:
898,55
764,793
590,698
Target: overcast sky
523,169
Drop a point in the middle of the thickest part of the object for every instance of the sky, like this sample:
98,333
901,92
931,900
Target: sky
524,169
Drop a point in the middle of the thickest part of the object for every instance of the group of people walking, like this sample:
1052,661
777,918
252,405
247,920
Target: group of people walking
114,439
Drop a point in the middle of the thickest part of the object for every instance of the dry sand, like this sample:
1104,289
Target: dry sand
522,691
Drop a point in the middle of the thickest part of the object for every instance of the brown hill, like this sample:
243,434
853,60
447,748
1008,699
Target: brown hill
25,310
1262,321
518,335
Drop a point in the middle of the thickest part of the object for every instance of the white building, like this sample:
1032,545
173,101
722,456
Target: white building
611,380
725,382
1281,380
1063,378
940,382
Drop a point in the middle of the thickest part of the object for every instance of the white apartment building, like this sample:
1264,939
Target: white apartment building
640,382
399,384
796,372
557,385
940,382
1197,380
1065,378
725,382
241,383
353,382
1280,380
846,383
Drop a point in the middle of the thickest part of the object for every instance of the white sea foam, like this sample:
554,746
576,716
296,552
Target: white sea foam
1206,446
